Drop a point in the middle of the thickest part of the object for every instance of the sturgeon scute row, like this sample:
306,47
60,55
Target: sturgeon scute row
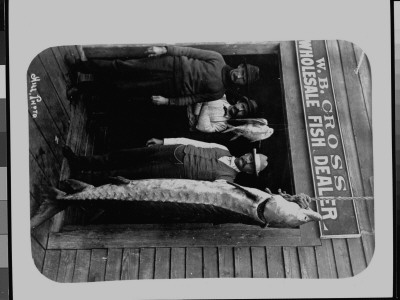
204,196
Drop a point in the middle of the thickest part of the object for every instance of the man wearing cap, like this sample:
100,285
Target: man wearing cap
213,116
168,158
171,75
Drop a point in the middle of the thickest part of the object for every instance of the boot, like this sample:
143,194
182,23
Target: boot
78,163
75,64
72,93
72,159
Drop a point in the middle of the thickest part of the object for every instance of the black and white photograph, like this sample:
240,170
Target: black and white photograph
201,161
200,150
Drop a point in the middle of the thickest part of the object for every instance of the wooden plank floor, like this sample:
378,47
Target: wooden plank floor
337,258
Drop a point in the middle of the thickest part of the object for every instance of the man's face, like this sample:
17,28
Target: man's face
239,110
238,75
246,163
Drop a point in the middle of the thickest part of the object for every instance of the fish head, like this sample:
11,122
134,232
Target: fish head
279,212
257,133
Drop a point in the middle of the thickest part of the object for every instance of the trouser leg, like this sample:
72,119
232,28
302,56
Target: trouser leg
154,67
159,170
155,87
132,78
139,163
165,169
128,89
129,158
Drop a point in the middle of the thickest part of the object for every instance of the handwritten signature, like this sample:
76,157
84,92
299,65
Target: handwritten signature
34,97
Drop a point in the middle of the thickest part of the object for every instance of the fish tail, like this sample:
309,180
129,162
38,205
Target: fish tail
49,207
53,193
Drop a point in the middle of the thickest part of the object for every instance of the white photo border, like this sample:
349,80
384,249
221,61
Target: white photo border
37,25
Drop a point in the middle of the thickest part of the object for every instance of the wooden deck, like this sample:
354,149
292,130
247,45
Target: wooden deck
95,255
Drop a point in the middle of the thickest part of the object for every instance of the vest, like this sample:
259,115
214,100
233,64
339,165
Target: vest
203,164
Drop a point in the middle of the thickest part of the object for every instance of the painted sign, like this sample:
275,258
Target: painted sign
327,154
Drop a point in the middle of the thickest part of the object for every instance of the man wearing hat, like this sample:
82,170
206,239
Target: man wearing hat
171,75
167,158
213,116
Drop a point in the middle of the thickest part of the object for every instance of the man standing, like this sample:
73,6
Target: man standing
213,116
168,158
171,75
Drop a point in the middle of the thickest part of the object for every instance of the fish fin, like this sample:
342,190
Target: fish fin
74,186
230,128
46,211
235,137
56,194
119,180
252,121
52,194
49,207
246,191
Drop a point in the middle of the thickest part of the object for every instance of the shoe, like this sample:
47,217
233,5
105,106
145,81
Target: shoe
68,153
72,159
72,62
82,53
72,93
76,64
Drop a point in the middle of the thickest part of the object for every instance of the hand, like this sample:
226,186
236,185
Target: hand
155,51
159,100
268,191
153,142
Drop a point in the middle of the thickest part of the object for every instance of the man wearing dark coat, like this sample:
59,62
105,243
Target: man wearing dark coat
168,158
171,75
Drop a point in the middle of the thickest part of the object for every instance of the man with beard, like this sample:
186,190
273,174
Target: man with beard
170,75
213,116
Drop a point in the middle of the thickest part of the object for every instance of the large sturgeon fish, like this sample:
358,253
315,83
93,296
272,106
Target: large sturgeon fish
225,202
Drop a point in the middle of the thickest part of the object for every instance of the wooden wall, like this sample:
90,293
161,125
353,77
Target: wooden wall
47,132
354,102
353,97
337,258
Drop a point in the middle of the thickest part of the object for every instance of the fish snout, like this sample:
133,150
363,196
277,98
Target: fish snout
313,215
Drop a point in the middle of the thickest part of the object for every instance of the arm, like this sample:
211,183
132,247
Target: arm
212,127
204,123
220,180
155,51
225,178
193,53
185,141
191,99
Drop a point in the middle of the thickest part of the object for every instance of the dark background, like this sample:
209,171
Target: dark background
132,122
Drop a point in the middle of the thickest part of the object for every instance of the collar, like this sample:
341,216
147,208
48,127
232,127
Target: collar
225,107
229,161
